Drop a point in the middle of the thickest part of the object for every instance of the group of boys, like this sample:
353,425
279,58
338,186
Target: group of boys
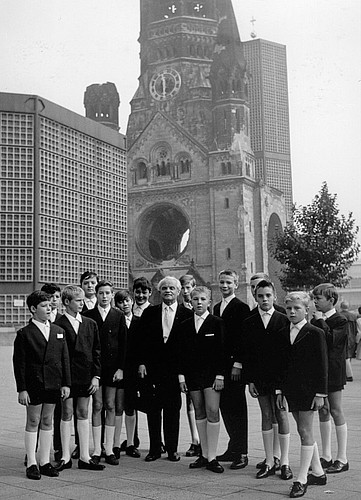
114,354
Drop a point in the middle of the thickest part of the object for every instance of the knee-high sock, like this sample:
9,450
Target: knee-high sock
118,430
212,439
267,437
276,442
65,433
130,422
315,463
325,430
285,446
192,426
97,439
83,432
305,462
202,431
45,442
341,435
109,439
30,447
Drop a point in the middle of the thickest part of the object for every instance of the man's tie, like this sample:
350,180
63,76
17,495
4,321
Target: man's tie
166,323
199,322
293,334
266,317
223,306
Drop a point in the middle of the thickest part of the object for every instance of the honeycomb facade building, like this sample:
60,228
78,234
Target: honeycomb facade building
63,200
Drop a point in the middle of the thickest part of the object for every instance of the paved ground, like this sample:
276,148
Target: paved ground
162,480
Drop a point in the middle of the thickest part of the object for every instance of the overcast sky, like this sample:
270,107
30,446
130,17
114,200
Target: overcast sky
56,48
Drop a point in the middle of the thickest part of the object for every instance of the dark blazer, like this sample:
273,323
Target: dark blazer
40,364
131,357
306,367
336,338
264,347
84,349
113,336
202,351
159,358
233,316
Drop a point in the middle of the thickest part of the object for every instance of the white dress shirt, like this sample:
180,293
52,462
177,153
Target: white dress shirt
266,315
75,322
225,303
90,303
294,329
103,312
168,314
198,320
43,327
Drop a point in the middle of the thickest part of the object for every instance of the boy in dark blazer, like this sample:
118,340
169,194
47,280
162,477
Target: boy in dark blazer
304,385
88,282
201,372
233,399
83,342
157,357
263,345
334,325
42,374
113,334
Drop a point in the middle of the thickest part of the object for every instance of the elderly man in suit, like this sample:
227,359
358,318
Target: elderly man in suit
158,365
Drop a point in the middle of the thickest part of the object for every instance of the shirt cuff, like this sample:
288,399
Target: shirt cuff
181,379
318,395
237,365
219,377
278,391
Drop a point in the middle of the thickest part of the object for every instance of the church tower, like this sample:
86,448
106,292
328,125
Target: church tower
194,203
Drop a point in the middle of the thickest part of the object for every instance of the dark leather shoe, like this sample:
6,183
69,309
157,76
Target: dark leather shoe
33,472
227,456
173,457
286,472
193,451
162,449
214,466
298,490
57,455
91,465
199,463
266,471
241,463
26,460
63,465
151,457
76,453
325,463
96,459
48,470
123,446
116,451
111,460
276,462
132,451
317,480
337,467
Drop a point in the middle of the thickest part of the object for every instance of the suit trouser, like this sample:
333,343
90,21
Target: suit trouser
166,399
234,412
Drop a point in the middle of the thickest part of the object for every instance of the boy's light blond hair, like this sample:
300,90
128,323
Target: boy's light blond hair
298,295
201,289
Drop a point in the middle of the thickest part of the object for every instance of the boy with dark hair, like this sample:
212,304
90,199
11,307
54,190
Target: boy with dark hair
304,385
142,290
54,291
325,297
88,282
42,373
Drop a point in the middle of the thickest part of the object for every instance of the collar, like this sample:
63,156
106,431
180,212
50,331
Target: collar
330,313
40,324
268,313
92,301
103,310
71,318
142,306
172,307
227,300
298,325
203,316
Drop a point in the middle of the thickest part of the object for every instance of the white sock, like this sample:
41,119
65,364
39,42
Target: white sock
109,439
30,447
267,437
276,442
212,439
284,440
97,439
192,426
130,422
341,434
45,442
118,430
202,431
325,430
305,462
315,463
65,433
83,431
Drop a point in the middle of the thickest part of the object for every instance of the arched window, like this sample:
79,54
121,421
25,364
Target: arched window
161,159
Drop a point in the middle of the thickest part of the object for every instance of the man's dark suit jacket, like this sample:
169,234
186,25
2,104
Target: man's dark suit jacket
336,338
84,349
264,347
159,358
233,316
113,336
202,351
40,364
306,363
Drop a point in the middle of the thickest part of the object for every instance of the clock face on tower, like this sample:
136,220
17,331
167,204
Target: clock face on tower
165,84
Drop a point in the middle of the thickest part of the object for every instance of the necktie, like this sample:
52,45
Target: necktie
166,323
199,322
293,334
266,317
223,306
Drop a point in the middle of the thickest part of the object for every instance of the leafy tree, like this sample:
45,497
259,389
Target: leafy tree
318,245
